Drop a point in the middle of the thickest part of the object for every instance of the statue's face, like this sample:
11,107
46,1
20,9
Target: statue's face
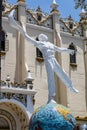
43,38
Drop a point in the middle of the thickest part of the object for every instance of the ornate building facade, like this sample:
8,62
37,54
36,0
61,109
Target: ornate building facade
19,92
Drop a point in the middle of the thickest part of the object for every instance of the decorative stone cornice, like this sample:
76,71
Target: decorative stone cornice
70,24
78,118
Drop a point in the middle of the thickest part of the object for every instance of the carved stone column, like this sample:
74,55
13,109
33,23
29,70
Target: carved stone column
20,47
61,96
83,23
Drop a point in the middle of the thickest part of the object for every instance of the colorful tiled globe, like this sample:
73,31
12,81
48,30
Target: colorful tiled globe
52,116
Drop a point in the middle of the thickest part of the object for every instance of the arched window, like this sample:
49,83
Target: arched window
73,57
3,41
4,44
39,55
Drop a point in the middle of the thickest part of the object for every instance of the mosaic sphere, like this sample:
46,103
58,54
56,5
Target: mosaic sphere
52,116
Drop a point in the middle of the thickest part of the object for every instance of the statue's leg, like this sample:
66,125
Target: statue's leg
63,76
50,77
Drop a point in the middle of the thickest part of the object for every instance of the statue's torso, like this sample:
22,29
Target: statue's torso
46,48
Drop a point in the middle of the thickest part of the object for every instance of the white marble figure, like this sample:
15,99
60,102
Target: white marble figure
48,49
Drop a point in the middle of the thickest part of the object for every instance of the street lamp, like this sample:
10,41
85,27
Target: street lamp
1,9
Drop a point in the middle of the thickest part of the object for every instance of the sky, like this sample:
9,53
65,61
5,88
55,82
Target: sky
66,7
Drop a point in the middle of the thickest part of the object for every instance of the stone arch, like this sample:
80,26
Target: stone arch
6,120
73,57
14,114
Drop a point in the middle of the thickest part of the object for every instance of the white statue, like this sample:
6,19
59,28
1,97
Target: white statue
48,49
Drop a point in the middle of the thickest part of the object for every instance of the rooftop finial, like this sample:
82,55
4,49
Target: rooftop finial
54,2
83,13
29,77
21,0
54,6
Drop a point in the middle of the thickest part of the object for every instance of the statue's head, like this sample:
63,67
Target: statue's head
43,37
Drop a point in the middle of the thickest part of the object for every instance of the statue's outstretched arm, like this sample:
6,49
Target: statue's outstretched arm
59,49
15,24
